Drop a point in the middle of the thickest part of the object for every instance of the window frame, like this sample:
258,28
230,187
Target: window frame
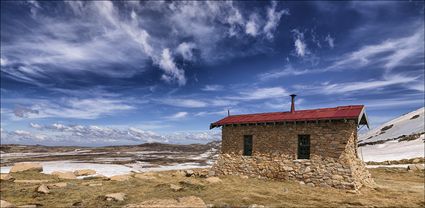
245,138
302,155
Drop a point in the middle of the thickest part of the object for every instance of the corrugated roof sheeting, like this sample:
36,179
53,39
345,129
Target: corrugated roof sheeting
340,112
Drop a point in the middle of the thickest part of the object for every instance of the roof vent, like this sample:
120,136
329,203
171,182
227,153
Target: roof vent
292,102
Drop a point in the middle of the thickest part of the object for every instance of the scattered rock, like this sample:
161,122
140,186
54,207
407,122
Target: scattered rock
302,183
192,184
26,166
189,173
420,166
6,204
337,177
115,197
57,185
64,175
311,184
28,206
189,201
353,192
145,176
84,172
175,187
31,181
125,177
5,177
211,173
43,189
94,184
285,190
213,180
256,206
417,160
244,177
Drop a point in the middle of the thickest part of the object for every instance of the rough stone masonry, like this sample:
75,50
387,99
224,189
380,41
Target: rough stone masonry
333,158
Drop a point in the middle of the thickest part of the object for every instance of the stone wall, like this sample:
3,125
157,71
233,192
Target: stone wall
333,154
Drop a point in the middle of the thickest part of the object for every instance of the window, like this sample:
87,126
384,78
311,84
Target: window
303,146
247,145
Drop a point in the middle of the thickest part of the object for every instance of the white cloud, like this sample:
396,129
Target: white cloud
84,108
57,133
187,103
287,70
178,115
330,41
252,26
186,50
273,18
172,72
300,46
389,54
213,88
348,87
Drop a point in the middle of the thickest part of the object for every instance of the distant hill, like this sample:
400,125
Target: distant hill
400,138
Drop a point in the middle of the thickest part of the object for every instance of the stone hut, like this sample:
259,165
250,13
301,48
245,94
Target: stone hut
317,147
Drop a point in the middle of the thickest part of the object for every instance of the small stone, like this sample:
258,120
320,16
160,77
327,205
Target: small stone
189,173
213,180
285,190
6,204
43,189
84,172
244,177
115,197
352,191
337,177
302,183
145,176
311,184
5,177
64,175
28,206
57,185
26,166
121,177
256,206
95,184
211,173
175,187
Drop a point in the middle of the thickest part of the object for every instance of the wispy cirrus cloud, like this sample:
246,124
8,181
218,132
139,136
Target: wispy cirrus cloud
350,87
78,108
102,37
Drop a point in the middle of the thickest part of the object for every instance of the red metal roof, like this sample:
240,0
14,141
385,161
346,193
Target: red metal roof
340,112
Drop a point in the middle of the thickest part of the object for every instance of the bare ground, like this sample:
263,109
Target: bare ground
396,188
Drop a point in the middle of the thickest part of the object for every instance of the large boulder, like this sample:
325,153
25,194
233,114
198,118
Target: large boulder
188,201
26,166
6,204
84,172
64,175
43,189
5,177
115,197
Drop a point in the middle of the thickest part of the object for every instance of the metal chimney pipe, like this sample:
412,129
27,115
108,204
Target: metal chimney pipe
292,102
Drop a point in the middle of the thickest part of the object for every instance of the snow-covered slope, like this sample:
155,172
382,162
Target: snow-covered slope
400,138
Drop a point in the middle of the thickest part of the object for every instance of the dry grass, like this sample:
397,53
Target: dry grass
396,188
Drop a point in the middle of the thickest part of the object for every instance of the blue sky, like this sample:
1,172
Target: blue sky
104,73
